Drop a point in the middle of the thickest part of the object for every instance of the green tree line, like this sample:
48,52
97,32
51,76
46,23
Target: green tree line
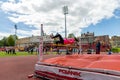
8,41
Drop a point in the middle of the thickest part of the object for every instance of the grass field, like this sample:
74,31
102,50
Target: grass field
4,54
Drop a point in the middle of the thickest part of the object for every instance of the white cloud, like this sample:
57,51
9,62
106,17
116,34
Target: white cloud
82,13
27,33
3,35
24,32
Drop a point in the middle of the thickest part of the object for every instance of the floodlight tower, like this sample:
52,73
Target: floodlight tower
15,26
65,11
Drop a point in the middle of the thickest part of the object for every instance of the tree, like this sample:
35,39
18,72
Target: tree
3,42
15,37
11,40
71,35
8,41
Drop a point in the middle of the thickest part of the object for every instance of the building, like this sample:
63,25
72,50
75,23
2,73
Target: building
87,38
22,42
104,39
88,41
115,41
32,41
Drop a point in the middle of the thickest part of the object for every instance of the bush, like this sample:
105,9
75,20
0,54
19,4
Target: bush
116,50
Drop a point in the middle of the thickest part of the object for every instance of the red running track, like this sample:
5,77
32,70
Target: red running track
18,67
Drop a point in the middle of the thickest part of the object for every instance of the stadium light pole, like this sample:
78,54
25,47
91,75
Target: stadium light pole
15,26
65,11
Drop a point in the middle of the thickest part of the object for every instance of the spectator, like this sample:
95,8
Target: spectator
98,45
14,51
109,49
31,50
80,51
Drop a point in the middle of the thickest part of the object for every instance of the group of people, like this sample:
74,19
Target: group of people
10,50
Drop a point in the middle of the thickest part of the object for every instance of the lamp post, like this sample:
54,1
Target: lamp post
65,11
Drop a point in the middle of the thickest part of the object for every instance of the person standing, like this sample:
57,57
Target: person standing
98,45
109,49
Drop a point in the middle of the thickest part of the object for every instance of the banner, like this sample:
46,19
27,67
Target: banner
74,74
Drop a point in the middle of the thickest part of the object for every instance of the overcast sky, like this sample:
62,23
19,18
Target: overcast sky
99,16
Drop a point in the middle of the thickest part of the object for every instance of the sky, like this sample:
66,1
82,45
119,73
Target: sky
99,16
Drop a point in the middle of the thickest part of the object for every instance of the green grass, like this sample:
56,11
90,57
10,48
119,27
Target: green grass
116,50
4,54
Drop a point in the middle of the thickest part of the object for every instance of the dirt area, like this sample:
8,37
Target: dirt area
19,67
